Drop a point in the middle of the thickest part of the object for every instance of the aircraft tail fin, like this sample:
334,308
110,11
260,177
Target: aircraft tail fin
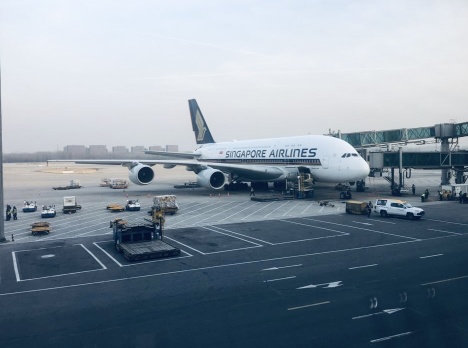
202,133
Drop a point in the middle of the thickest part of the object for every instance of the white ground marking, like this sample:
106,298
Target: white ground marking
357,267
431,229
280,267
363,223
239,211
448,222
328,285
256,211
384,222
207,268
426,257
390,337
94,256
212,215
364,229
385,311
277,208
141,262
309,305
243,235
229,235
445,280
275,280
292,208
47,256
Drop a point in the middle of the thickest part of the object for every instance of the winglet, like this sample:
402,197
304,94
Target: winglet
202,133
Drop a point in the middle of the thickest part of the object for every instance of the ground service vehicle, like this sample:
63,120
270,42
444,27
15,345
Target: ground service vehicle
118,184
141,241
74,184
48,211
40,227
115,207
29,207
132,205
396,207
69,205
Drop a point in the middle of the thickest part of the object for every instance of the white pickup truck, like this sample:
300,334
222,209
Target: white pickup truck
396,207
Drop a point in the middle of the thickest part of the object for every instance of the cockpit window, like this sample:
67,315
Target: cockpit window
354,154
344,155
348,155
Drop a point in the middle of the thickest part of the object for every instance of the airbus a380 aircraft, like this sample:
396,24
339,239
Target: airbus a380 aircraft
326,158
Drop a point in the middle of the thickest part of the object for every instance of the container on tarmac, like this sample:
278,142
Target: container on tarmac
165,203
356,207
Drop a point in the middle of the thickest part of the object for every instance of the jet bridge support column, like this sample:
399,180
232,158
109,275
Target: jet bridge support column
444,132
400,168
445,151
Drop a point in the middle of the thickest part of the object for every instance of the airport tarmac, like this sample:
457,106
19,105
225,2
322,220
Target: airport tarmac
250,274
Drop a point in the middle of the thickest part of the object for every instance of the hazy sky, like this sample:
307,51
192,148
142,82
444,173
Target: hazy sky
119,72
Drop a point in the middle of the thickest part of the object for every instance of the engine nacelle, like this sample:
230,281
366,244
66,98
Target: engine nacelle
141,174
211,178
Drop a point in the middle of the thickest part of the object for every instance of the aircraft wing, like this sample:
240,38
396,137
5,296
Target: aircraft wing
173,154
243,170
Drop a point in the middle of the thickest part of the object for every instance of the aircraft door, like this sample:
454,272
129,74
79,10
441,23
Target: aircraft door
324,161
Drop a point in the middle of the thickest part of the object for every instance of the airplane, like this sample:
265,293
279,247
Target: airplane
221,165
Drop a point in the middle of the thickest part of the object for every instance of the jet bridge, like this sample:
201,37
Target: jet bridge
447,160
404,136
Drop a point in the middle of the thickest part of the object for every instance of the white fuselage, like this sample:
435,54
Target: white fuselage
328,159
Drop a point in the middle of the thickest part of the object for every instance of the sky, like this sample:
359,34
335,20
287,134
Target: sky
119,72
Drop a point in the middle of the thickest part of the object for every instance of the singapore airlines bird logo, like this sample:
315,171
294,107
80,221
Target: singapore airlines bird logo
201,126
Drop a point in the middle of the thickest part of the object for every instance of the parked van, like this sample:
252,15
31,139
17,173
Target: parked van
396,207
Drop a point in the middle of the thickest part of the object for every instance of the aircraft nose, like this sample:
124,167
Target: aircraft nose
364,168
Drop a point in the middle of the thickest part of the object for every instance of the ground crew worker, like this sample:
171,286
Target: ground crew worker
15,213
413,188
369,209
426,194
461,197
8,213
252,192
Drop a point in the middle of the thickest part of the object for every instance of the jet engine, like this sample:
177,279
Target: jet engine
211,178
141,174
